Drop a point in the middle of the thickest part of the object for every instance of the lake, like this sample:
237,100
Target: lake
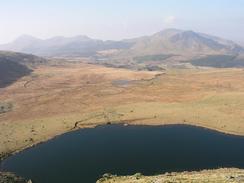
86,154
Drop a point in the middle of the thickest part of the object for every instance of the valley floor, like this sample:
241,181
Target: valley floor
58,99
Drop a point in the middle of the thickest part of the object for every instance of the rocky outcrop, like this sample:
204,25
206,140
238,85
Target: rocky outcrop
6,177
223,175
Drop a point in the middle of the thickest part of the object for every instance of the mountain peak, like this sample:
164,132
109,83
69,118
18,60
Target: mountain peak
170,31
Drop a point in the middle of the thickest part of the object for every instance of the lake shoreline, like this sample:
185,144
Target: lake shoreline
205,127
229,133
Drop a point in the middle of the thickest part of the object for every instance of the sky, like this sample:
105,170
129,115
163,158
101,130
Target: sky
119,19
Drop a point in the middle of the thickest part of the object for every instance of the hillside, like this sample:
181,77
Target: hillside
16,65
175,41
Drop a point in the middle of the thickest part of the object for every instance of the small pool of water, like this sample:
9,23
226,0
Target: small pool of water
85,155
122,83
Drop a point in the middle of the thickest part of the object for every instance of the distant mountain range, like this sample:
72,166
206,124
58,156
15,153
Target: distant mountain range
168,48
171,41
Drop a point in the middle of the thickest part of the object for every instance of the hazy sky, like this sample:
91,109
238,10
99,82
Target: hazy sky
118,19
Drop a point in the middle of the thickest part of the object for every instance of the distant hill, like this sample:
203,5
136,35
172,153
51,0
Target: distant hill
80,46
16,65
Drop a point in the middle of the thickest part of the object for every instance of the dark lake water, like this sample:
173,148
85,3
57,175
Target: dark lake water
86,154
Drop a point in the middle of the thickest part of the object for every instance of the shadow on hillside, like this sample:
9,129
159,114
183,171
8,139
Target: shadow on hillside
11,71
